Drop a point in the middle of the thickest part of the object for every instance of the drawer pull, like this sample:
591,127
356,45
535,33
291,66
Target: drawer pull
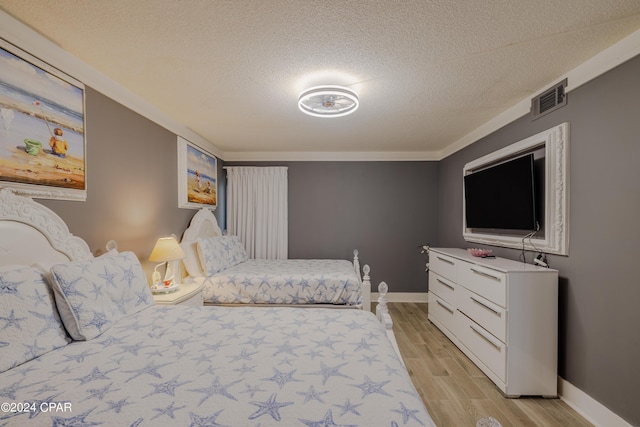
482,273
446,284
490,340
448,261
491,309
445,306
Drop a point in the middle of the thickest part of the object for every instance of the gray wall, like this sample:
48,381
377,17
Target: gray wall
131,180
599,343
386,210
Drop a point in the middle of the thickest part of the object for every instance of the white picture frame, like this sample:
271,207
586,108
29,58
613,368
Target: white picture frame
197,177
555,236
42,128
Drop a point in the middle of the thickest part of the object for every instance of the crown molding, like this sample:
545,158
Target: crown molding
330,156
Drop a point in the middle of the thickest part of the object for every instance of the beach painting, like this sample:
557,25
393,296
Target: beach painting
197,177
42,132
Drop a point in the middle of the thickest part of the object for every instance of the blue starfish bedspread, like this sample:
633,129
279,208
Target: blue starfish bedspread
291,281
220,366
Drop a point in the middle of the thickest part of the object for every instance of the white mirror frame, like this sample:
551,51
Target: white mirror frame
556,192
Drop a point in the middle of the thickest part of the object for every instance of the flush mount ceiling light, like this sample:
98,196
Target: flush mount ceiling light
328,101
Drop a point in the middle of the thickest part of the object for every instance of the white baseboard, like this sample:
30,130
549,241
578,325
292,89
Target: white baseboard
595,412
403,297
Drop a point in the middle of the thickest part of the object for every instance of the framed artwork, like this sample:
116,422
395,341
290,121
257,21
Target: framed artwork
42,128
197,177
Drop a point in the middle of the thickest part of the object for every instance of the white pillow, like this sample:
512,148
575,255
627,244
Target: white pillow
94,294
191,259
29,322
219,253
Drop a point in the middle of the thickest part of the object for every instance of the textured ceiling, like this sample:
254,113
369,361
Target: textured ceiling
427,72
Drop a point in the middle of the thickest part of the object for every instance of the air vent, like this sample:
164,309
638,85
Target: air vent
549,100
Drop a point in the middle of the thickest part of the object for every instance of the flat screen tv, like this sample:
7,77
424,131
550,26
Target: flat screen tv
502,196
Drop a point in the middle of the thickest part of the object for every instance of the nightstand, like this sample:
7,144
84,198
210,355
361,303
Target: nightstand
188,294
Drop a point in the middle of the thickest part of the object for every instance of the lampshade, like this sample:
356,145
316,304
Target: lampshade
328,101
166,249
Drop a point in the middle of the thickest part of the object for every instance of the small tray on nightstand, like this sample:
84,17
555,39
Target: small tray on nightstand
174,287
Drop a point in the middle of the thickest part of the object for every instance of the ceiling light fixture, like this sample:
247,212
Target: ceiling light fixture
328,101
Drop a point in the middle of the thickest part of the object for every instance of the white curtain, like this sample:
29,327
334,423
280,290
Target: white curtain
257,210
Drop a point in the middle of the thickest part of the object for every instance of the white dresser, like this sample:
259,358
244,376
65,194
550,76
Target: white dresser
502,314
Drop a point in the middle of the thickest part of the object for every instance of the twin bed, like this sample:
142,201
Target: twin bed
82,343
229,277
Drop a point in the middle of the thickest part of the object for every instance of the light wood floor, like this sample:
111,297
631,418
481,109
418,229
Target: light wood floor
454,390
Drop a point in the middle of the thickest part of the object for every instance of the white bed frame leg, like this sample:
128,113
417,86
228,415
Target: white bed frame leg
366,288
356,262
382,312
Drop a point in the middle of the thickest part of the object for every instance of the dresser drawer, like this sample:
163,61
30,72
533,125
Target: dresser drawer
490,316
490,284
443,265
443,288
442,312
486,347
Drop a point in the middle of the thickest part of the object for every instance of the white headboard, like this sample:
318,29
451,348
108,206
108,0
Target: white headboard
203,224
31,233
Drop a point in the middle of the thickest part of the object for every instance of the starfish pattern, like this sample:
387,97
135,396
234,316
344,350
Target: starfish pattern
150,369
108,277
100,393
10,391
244,355
363,345
210,421
281,378
40,298
97,290
167,387
244,369
255,342
327,342
77,421
181,343
168,411
99,320
286,348
270,407
327,421
9,287
128,274
143,297
34,350
312,394
327,372
407,414
12,320
116,406
349,407
370,387
94,375
252,390
215,388
68,287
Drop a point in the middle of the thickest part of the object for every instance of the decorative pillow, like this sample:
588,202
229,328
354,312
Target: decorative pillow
219,253
237,253
29,322
94,294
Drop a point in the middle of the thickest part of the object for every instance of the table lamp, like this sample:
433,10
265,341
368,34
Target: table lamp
166,251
